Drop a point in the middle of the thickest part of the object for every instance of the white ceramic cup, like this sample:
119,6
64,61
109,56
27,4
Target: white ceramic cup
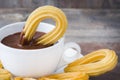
36,62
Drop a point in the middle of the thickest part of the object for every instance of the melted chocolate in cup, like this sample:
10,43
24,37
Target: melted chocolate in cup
14,41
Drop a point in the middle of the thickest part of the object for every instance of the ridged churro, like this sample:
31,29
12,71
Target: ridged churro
4,75
94,63
1,66
36,17
67,76
21,78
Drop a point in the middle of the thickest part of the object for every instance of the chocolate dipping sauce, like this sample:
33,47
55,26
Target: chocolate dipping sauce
14,41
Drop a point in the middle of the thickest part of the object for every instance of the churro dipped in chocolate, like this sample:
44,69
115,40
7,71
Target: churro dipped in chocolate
36,17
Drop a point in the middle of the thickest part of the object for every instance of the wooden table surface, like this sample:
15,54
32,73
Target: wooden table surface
91,29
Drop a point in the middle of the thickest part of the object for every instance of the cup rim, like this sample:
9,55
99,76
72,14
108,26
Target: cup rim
17,23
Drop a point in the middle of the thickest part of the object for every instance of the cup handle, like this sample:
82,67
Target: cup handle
72,51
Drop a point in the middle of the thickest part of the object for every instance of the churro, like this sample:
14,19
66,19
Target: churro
4,75
94,63
1,66
20,78
67,76
36,17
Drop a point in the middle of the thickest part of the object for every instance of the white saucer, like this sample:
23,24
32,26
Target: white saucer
60,70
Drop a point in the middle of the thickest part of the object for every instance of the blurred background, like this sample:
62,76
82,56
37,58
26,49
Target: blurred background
93,24
91,4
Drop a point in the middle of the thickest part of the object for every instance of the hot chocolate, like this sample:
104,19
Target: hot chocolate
14,41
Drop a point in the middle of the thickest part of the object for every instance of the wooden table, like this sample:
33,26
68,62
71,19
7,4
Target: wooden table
91,29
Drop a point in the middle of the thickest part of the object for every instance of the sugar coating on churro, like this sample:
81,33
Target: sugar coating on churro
37,16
